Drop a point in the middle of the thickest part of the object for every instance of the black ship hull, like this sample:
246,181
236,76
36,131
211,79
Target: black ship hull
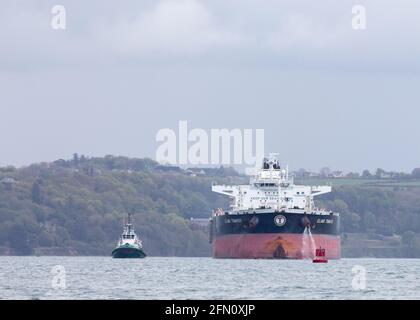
275,235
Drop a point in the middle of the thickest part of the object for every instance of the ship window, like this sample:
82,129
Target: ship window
297,193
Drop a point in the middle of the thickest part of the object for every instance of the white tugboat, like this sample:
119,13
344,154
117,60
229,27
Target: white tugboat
129,245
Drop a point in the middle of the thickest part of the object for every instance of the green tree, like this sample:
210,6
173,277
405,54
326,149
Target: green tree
409,238
369,220
75,159
366,174
379,172
351,221
36,193
19,240
416,173
386,230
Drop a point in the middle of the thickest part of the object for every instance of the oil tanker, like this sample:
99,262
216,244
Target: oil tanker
272,218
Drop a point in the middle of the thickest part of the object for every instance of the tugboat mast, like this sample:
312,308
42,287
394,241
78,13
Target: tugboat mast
129,224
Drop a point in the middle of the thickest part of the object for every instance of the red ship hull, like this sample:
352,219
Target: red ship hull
274,246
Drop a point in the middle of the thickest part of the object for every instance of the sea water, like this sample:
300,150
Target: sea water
206,278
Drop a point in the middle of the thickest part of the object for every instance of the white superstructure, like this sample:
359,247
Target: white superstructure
272,188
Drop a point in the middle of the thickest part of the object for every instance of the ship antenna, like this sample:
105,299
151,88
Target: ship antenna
130,227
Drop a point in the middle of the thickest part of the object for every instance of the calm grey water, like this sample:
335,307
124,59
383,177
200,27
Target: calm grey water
206,278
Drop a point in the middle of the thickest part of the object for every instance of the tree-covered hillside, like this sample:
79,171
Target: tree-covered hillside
384,221
77,207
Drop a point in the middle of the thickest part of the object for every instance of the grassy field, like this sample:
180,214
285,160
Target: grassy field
354,181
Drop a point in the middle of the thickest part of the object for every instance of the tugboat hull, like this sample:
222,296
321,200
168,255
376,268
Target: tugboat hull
128,252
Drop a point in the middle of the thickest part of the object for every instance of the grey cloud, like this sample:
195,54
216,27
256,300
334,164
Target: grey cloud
324,93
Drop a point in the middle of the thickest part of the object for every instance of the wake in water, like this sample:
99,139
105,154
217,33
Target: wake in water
308,244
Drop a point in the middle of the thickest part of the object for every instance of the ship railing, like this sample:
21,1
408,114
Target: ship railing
218,212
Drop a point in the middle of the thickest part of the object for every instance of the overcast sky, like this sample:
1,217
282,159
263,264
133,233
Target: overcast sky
326,94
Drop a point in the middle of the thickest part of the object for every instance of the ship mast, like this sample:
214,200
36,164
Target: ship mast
129,224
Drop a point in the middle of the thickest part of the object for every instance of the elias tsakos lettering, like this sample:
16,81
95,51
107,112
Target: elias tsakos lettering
198,147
